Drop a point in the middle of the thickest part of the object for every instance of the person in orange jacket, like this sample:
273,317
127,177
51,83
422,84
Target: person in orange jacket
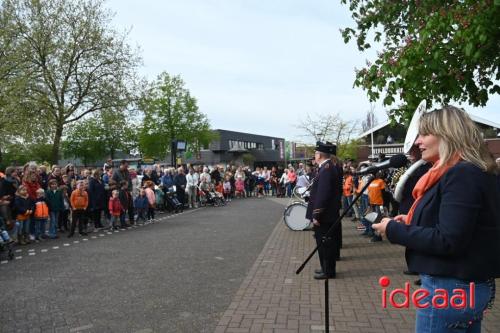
79,202
347,190
40,215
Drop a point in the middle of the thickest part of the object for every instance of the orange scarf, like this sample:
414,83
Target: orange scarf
427,181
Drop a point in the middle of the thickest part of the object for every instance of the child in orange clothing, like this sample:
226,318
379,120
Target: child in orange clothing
79,202
40,215
376,199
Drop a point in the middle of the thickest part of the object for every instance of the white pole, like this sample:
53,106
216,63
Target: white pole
371,126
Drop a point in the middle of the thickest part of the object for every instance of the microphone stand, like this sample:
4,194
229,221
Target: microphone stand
327,238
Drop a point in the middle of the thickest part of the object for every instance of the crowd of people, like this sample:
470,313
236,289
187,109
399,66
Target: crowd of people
39,202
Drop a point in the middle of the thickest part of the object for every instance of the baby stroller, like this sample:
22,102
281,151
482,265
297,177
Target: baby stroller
6,244
210,198
172,203
160,199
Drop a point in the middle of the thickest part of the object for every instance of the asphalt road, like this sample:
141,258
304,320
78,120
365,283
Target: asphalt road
178,275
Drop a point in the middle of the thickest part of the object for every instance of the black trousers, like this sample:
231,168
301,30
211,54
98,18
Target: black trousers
95,215
329,250
151,213
63,220
130,209
80,218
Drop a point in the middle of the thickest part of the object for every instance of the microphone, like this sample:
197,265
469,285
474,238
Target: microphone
396,161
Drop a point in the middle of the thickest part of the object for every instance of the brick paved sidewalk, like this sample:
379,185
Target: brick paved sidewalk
272,298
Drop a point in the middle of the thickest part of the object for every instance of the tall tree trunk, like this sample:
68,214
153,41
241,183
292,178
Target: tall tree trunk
57,144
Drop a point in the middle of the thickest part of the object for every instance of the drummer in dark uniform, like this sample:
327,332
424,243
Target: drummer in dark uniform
323,209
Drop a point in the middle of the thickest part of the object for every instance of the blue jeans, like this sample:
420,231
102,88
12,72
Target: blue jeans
40,227
22,227
466,320
54,218
289,189
346,202
363,204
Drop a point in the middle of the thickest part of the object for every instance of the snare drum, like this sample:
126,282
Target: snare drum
295,216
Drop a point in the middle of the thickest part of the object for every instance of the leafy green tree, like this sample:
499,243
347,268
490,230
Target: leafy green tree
100,136
171,113
18,153
440,51
71,61
348,150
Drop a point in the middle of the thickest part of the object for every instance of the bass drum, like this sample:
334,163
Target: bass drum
295,216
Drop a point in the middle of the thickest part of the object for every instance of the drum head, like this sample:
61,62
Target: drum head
295,216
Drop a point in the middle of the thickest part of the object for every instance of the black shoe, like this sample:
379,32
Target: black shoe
70,235
323,276
318,271
83,234
418,282
409,273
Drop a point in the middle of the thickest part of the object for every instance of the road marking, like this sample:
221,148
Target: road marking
288,281
101,235
66,244
20,257
4,262
85,239
32,253
93,237
144,330
44,250
219,258
55,247
76,242
81,328
31,250
20,250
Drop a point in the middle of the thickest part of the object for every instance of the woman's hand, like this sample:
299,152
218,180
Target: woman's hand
381,226
400,218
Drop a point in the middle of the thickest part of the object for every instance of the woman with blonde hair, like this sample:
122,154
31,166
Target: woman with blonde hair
452,231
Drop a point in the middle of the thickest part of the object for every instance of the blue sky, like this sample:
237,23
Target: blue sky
256,66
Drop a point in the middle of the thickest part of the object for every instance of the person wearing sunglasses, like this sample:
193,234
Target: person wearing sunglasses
452,231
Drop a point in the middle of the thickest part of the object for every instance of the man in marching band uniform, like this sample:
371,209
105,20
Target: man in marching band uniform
323,209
